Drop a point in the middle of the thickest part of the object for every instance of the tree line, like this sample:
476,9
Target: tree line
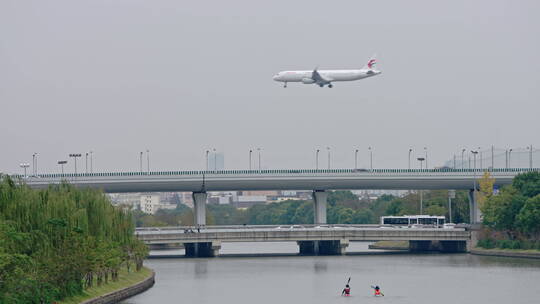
512,217
54,243
343,208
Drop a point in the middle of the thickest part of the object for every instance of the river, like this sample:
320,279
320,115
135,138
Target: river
404,278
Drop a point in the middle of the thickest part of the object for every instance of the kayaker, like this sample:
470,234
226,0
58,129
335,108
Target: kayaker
377,290
346,291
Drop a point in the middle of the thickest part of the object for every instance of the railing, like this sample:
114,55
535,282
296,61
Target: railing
276,172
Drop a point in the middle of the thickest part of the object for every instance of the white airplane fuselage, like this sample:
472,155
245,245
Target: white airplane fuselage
326,77
330,75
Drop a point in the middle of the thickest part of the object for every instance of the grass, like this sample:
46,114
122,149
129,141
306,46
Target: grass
125,279
392,244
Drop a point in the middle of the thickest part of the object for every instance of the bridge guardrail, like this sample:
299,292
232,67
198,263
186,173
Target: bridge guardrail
277,172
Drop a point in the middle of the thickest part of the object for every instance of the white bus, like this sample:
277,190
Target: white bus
412,220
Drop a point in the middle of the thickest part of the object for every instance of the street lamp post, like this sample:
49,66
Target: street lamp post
207,151
356,159
370,158
328,149
259,152
425,152
24,166
462,160
62,163
421,159
75,155
86,163
140,161
530,148
215,159
454,161
410,151
148,160
91,162
317,159
250,152
510,158
34,163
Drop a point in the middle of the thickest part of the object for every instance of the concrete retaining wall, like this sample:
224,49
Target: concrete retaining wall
506,253
119,295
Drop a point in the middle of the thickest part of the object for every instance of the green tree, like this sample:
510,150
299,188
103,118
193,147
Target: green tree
529,217
528,184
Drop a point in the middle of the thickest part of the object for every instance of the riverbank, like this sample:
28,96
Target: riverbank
128,284
512,253
390,245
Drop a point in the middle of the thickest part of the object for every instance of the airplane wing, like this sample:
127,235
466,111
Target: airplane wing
319,78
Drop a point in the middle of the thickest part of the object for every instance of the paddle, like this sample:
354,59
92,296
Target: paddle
346,285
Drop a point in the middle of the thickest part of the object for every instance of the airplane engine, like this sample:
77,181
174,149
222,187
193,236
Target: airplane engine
307,81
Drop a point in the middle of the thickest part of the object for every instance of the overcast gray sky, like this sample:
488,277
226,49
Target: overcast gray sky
179,77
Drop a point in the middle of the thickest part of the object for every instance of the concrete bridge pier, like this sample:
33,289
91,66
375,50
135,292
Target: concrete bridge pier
199,208
319,198
203,250
474,208
334,247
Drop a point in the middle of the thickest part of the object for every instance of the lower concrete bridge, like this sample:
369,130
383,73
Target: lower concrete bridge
314,240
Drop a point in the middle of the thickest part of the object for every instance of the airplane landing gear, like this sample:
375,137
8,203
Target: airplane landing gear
321,85
330,85
284,85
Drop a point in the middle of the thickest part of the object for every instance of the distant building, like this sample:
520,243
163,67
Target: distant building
151,203
246,201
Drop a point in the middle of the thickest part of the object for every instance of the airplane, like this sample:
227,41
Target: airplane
326,77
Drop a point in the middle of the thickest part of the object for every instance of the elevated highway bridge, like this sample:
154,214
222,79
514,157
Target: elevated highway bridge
199,182
311,239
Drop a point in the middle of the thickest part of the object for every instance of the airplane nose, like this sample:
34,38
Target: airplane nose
276,77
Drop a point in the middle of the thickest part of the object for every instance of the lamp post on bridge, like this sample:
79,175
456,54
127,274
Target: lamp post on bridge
250,152
75,155
206,165
140,161
410,151
34,163
328,149
370,158
530,148
91,161
317,159
24,166
421,159
259,152
425,152
356,159
510,158
462,159
148,160
62,163
215,159
86,163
